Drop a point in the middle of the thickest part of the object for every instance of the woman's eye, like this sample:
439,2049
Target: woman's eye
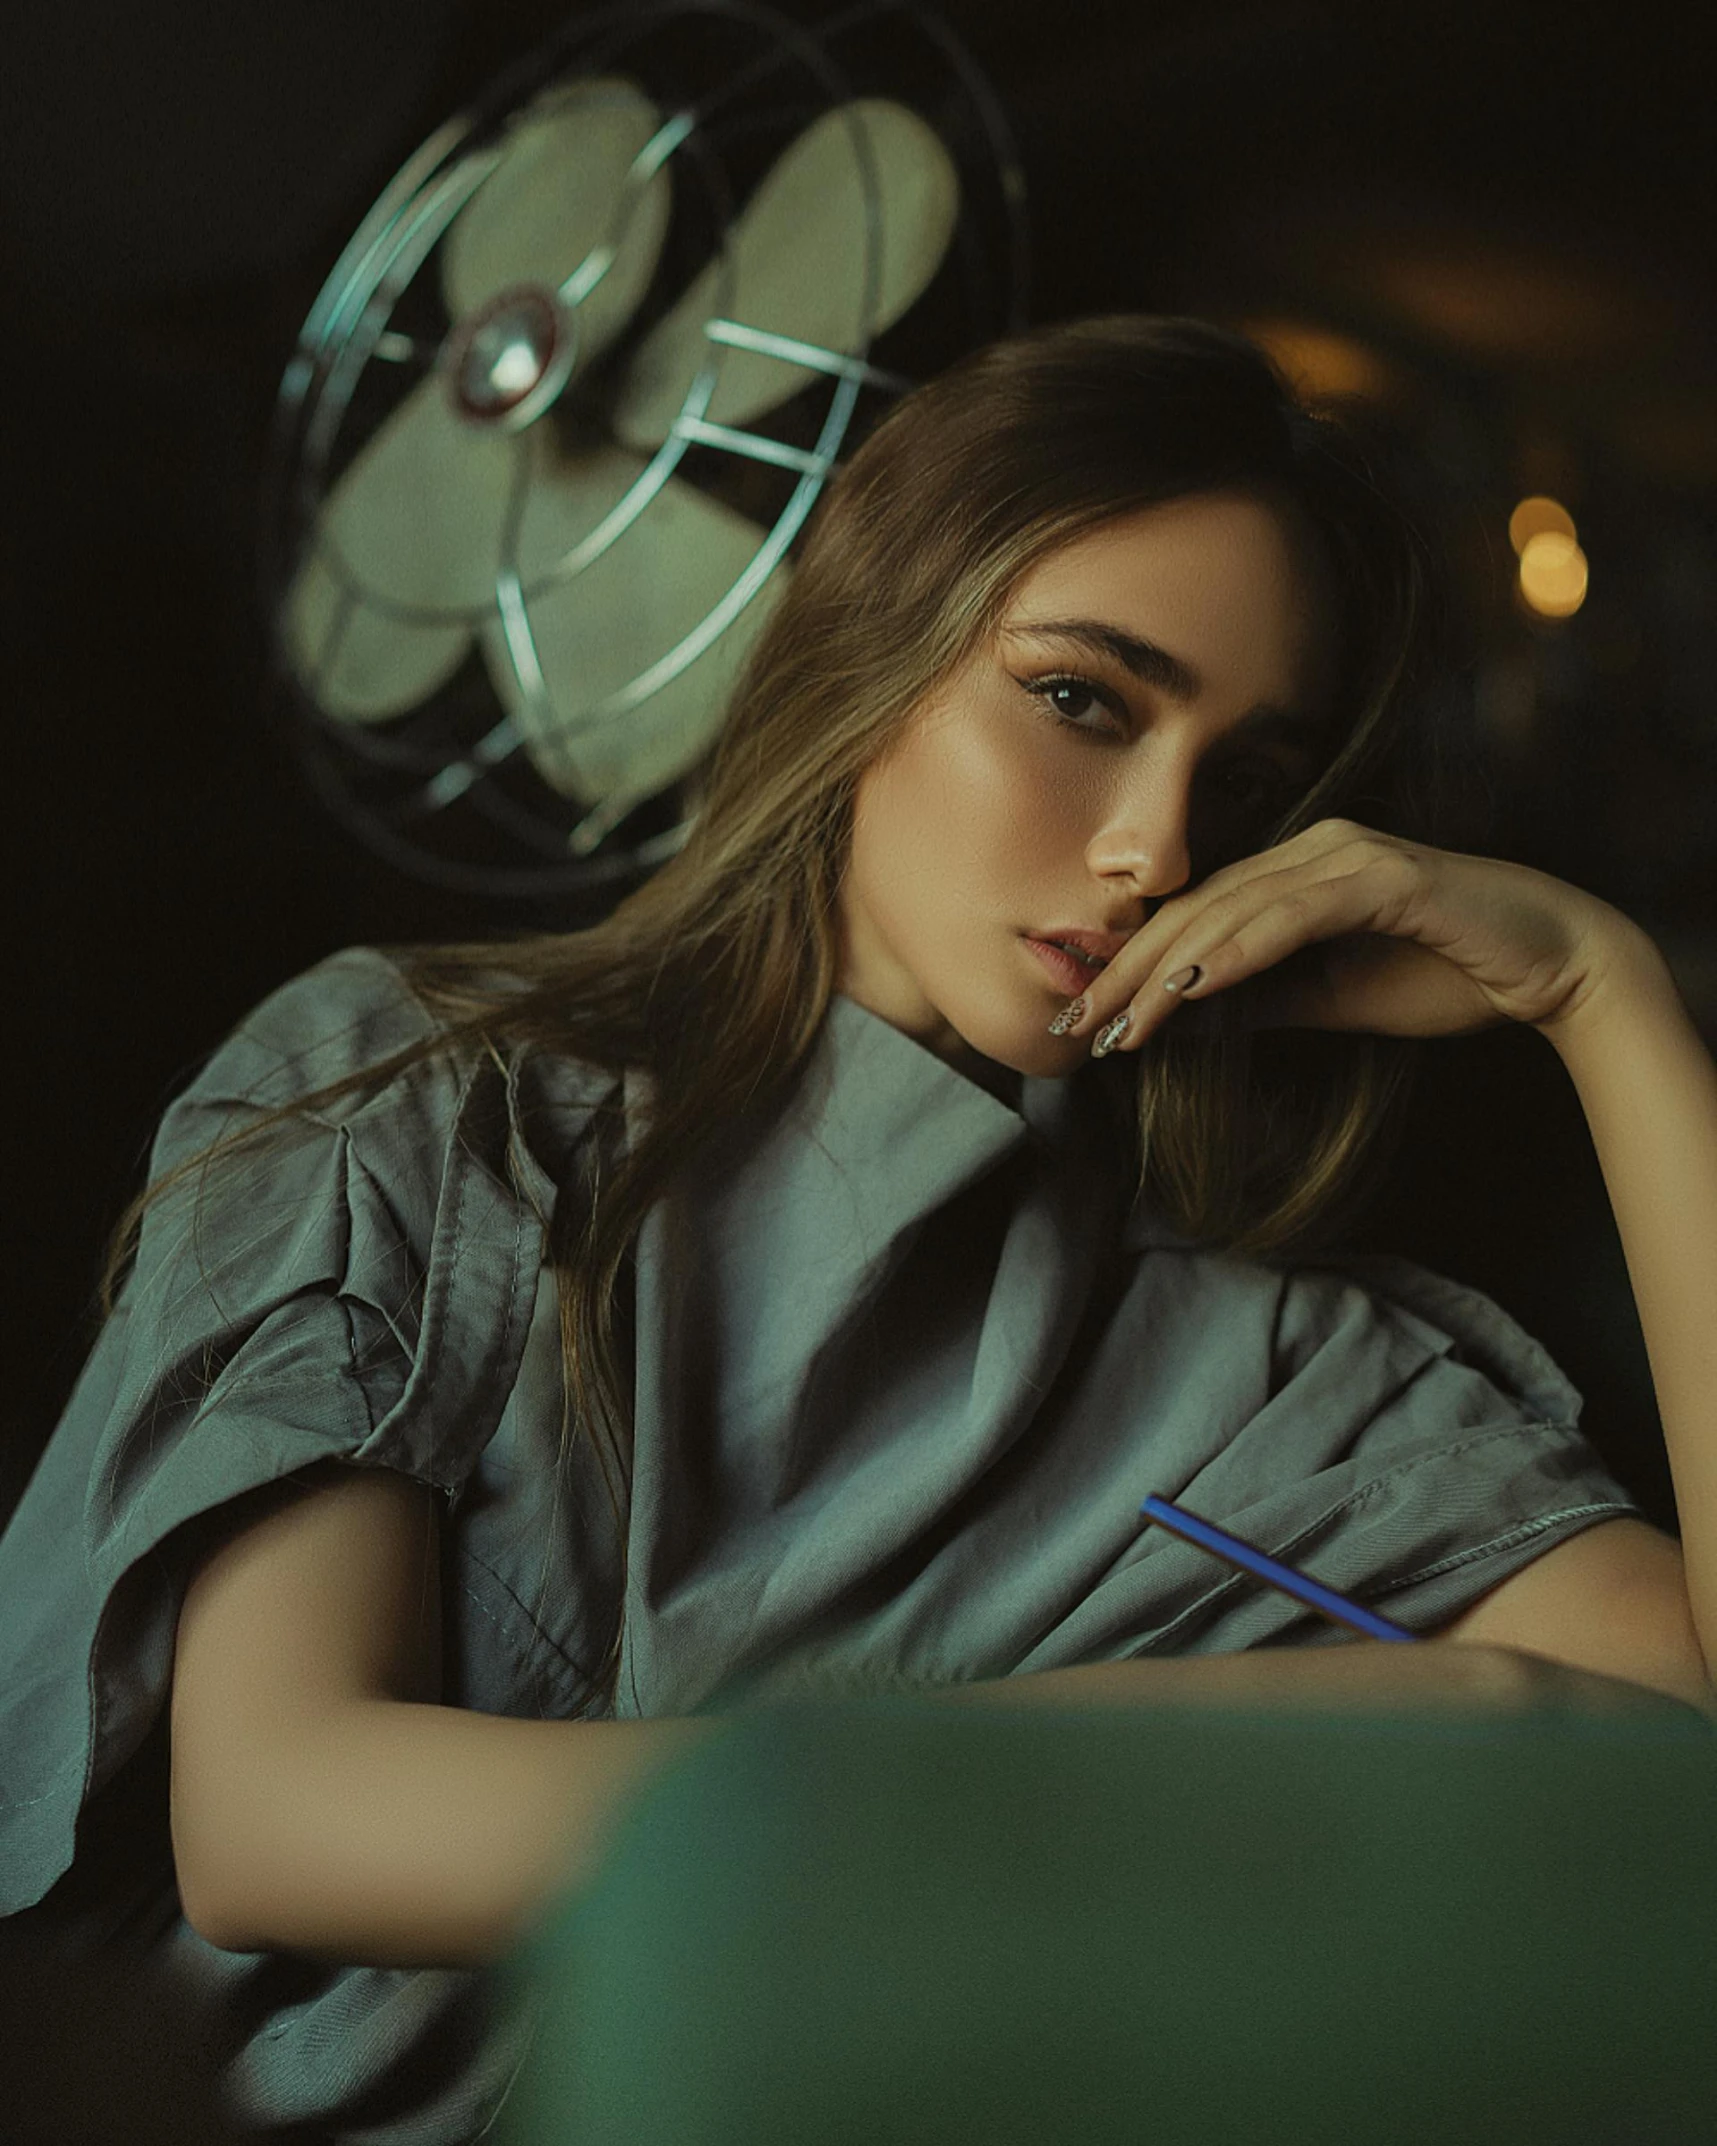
1075,701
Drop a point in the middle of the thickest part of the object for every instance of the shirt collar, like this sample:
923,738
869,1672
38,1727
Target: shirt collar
871,1097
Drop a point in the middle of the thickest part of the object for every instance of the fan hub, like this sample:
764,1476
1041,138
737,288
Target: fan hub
509,358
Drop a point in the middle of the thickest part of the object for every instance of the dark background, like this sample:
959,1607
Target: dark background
1508,209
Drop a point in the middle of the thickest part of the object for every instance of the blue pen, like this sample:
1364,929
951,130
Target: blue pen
1235,1552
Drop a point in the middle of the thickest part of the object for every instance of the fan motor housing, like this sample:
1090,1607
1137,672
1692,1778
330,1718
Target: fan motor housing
507,361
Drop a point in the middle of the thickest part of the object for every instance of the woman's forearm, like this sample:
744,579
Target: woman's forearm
1366,1675
1649,1090
402,1835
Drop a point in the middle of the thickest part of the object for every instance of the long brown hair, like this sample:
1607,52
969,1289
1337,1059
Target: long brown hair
714,976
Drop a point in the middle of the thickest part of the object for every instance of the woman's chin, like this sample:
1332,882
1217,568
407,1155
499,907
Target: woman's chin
1037,1058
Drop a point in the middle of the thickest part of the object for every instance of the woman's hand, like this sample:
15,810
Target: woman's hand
1345,928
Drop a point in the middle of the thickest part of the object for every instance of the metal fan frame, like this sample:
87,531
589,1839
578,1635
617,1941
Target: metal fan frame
349,327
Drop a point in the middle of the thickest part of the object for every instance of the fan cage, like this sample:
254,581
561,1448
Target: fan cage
445,792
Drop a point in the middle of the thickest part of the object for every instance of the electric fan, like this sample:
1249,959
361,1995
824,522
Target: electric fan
570,392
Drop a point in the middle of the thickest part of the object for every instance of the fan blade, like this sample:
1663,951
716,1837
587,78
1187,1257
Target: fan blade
593,633
359,664
559,194
415,525
798,254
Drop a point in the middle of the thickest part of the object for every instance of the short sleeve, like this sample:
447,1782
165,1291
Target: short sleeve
357,1286
1408,1444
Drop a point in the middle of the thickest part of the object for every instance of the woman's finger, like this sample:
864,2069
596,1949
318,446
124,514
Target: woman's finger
1233,892
1241,935
1184,929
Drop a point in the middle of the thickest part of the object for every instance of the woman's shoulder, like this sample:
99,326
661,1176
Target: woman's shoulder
1342,1303
1452,1317
360,1012
349,1061
352,1010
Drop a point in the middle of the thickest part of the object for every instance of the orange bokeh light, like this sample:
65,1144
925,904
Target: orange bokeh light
1321,361
1539,516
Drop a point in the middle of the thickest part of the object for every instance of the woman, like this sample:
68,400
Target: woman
782,1287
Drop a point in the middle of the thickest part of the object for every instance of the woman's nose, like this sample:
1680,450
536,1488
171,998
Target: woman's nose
1149,837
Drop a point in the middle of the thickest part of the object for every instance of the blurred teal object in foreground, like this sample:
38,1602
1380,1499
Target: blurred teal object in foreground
891,1922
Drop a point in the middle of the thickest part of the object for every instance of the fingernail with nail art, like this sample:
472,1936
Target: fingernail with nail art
1112,1035
1068,1018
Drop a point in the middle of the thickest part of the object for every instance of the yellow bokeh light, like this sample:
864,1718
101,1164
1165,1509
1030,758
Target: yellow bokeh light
1553,574
1539,516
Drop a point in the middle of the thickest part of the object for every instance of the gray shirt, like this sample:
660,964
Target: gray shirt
905,1359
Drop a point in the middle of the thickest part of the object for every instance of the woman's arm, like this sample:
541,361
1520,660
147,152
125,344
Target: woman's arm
1360,1675
324,1802
1344,928
1649,1090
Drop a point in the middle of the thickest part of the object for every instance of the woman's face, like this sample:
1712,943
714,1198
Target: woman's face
1151,702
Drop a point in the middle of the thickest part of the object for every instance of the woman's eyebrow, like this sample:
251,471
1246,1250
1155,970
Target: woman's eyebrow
1143,658
1169,674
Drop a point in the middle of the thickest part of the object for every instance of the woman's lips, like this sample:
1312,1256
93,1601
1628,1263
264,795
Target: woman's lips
1070,975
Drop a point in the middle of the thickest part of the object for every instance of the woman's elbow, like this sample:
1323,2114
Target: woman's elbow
208,1900
229,1861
